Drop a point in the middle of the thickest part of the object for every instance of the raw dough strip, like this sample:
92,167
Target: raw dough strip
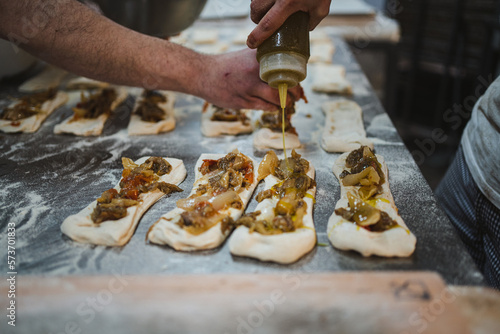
81,228
139,127
204,36
211,128
266,138
85,83
282,248
330,79
49,77
166,232
90,126
322,52
319,35
212,49
240,37
346,235
344,130
33,123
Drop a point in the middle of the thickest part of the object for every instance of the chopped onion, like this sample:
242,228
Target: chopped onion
366,192
128,163
220,202
215,173
363,213
189,203
268,165
366,177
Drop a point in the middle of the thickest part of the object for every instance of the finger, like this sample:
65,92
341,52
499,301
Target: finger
290,99
256,102
318,14
259,8
274,18
271,95
295,93
266,93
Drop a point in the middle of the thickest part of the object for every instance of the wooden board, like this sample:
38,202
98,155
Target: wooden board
362,302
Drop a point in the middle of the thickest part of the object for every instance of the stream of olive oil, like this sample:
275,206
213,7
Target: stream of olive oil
283,87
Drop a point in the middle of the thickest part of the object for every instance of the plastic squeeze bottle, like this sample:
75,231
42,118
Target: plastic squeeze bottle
283,58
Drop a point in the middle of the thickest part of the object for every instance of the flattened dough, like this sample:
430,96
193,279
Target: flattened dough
344,130
137,126
211,128
216,48
282,248
166,232
90,126
204,36
81,228
318,35
330,79
50,77
240,38
33,123
85,83
181,38
346,235
265,138
322,52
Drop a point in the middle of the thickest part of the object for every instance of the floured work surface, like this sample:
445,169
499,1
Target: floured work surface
383,302
45,178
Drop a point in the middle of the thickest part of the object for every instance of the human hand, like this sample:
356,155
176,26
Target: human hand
271,14
232,81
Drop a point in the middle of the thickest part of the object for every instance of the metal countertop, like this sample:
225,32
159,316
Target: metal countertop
45,177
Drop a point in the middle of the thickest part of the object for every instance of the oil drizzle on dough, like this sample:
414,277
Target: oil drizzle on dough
283,87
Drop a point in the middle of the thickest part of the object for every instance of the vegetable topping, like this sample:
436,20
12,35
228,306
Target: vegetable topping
148,108
365,171
136,180
365,215
229,115
28,105
226,177
290,208
273,120
95,104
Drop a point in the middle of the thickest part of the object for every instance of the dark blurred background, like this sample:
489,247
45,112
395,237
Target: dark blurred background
447,53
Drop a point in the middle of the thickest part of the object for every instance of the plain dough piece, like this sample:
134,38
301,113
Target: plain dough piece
33,123
211,128
204,36
49,77
319,35
346,235
265,138
181,38
216,48
166,232
90,126
240,38
85,83
344,130
330,79
322,52
282,248
137,126
81,228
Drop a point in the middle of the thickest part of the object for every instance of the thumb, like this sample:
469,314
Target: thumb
274,18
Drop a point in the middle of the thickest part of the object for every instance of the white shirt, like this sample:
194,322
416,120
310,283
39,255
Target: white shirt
481,143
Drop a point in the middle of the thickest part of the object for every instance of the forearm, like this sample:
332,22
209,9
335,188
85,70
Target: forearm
72,36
